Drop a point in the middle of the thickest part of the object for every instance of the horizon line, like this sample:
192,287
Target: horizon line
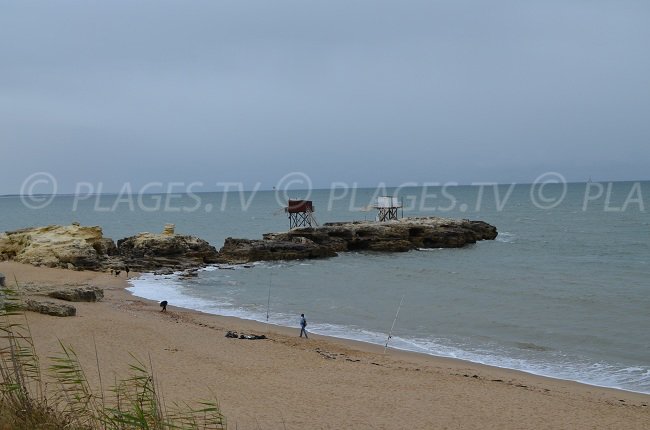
440,185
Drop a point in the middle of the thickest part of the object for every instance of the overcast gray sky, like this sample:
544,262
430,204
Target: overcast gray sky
342,90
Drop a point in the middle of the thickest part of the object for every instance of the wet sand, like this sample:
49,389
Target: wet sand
287,382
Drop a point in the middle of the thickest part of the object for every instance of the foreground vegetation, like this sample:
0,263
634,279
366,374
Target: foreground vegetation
134,402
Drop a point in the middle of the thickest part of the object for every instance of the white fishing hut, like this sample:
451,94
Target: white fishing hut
387,207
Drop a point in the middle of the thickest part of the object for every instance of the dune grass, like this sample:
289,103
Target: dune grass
133,402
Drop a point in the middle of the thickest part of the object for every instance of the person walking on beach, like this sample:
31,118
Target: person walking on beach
303,324
163,305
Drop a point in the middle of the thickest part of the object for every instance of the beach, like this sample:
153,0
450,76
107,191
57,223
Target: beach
288,382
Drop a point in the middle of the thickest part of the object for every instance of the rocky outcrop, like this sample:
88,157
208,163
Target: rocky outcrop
392,236
84,248
81,294
398,235
79,247
72,246
149,251
240,251
50,308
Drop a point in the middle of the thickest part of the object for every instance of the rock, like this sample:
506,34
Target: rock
325,241
2,280
168,230
70,246
190,273
82,294
164,272
240,251
51,308
149,251
107,247
399,235
84,248
78,247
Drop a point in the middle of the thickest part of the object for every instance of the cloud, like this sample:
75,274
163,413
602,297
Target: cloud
368,91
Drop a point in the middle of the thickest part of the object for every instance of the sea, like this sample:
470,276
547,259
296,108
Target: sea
563,291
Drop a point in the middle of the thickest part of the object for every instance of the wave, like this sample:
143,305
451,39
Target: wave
506,237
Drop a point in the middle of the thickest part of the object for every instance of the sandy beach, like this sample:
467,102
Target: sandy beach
287,382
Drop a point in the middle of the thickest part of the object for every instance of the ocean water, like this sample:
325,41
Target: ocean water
563,291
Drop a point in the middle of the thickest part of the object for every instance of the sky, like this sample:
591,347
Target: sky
105,93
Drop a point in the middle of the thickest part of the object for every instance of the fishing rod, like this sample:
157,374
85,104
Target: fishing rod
390,333
268,301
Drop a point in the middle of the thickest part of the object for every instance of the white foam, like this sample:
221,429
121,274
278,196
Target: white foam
506,237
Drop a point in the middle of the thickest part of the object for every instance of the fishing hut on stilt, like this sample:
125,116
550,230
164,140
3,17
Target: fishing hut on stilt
387,208
301,213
